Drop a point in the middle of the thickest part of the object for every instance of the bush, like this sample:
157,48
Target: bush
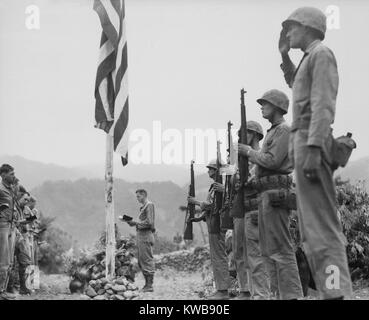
353,208
163,245
50,257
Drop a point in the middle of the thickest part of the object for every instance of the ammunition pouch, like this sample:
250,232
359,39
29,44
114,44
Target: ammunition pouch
272,182
283,198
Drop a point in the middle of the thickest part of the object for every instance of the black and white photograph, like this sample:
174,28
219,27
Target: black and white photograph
202,151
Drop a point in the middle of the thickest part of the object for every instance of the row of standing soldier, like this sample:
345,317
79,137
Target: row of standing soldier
264,196
19,231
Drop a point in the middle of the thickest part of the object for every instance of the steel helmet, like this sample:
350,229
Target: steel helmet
213,164
309,17
276,98
256,127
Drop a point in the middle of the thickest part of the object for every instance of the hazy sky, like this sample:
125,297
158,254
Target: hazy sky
187,62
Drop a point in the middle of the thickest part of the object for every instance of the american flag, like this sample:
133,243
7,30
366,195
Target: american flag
111,87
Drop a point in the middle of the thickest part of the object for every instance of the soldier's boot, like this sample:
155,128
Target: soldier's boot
22,281
244,295
150,281
219,295
11,286
145,277
3,284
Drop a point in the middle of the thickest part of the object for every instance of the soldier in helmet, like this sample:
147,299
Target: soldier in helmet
273,182
218,255
256,263
314,85
254,282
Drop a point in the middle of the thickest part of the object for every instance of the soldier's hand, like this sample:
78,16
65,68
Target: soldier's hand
218,187
243,149
132,223
312,164
284,43
197,219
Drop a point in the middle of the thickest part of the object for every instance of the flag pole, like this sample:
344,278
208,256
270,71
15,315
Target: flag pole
109,210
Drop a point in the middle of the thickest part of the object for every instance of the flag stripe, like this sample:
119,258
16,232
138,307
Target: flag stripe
111,86
121,125
108,27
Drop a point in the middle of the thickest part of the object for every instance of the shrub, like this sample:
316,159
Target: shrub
50,256
353,208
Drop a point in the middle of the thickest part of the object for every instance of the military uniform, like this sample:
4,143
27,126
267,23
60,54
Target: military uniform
218,256
256,262
239,243
272,179
315,85
145,239
21,250
7,233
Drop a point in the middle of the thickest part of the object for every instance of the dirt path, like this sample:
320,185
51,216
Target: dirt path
168,284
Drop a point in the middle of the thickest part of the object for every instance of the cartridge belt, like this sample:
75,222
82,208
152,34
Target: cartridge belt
279,181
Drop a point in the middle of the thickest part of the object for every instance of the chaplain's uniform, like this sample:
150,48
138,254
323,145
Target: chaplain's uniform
314,86
272,178
145,238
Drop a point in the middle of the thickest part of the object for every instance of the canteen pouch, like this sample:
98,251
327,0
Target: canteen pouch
283,199
341,150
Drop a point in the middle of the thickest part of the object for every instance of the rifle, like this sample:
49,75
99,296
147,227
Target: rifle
226,219
218,198
243,161
190,212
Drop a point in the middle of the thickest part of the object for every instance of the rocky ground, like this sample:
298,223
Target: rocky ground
169,284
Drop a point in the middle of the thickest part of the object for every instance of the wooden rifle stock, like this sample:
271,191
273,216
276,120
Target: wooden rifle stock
190,214
243,162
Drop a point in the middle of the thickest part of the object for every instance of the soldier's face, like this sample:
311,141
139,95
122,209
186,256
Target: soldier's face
250,137
267,110
295,35
9,177
211,173
24,199
140,197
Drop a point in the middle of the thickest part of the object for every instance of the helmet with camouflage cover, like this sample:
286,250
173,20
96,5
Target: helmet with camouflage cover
309,17
276,98
256,127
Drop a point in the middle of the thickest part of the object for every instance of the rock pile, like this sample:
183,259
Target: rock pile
184,260
117,289
87,272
